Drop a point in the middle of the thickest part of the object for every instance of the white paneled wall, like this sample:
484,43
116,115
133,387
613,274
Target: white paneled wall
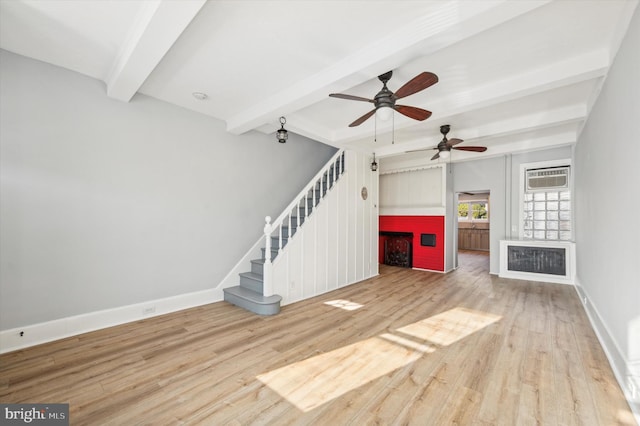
338,244
416,191
412,188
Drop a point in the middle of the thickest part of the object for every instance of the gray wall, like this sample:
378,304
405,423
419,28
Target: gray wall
607,197
105,204
500,175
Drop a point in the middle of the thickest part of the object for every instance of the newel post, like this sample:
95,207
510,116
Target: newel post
267,284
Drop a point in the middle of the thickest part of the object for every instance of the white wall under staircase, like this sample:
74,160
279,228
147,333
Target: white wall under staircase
338,243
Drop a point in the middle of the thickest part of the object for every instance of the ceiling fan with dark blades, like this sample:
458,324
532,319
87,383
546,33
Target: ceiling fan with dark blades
386,99
446,145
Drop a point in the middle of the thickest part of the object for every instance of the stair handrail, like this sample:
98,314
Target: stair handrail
286,214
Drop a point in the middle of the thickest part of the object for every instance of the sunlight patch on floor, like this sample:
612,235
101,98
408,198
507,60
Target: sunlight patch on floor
421,347
310,383
347,305
450,326
626,417
314,381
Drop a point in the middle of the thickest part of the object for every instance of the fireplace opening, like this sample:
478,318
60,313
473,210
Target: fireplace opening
398,249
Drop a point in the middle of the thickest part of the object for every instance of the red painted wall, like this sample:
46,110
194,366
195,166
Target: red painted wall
423,257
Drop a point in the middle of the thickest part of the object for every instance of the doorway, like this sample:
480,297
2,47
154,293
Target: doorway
472,223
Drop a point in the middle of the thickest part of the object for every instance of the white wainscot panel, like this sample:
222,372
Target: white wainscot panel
321,246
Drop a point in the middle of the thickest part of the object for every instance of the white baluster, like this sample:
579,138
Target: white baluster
280,238
267,287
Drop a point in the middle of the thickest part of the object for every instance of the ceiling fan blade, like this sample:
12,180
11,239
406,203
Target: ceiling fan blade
435,157
420,150
416,84
454,141
362,119
413,112
350,97
472,148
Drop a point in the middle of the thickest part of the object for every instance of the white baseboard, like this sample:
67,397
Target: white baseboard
432,270
625,372
35,334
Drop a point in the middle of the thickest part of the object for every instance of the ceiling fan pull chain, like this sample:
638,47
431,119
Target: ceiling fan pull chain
375,129
393,129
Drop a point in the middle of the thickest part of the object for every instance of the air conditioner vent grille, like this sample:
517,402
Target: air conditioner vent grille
541,179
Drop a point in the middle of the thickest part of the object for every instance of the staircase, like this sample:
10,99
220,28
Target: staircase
252,294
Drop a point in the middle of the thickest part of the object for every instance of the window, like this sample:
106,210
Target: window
547,210
473,210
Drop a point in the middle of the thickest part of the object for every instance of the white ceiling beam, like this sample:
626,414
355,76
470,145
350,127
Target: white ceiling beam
567,137
563,73
158,26
529,144
455,21
509,127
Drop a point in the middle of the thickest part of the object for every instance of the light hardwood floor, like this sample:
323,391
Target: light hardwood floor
406,347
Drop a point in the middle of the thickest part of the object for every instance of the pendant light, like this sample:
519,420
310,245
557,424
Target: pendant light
282,133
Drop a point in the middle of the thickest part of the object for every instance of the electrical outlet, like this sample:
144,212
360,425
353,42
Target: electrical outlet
149,310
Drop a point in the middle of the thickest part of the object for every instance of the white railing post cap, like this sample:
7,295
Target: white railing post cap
267,226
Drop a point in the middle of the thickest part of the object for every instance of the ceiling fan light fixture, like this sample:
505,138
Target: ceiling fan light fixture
444,154
282,133
384,113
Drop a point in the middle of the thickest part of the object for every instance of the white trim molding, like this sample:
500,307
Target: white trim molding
35,334
626,372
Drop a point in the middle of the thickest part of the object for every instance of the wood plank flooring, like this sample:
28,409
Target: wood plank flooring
406,347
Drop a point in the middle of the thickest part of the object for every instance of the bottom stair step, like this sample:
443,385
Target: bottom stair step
252,301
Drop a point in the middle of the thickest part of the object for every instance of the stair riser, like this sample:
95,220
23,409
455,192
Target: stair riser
286,233
294,222
257,308
250,284
274,253
275,242
257,268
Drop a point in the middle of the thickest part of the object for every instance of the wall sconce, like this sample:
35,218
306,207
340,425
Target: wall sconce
282,134
374,165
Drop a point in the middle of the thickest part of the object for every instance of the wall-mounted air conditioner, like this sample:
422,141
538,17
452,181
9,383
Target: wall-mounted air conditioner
548,178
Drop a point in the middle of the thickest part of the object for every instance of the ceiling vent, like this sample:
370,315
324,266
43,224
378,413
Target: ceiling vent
549,178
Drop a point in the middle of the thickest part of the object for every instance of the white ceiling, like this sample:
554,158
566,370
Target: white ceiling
513,75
